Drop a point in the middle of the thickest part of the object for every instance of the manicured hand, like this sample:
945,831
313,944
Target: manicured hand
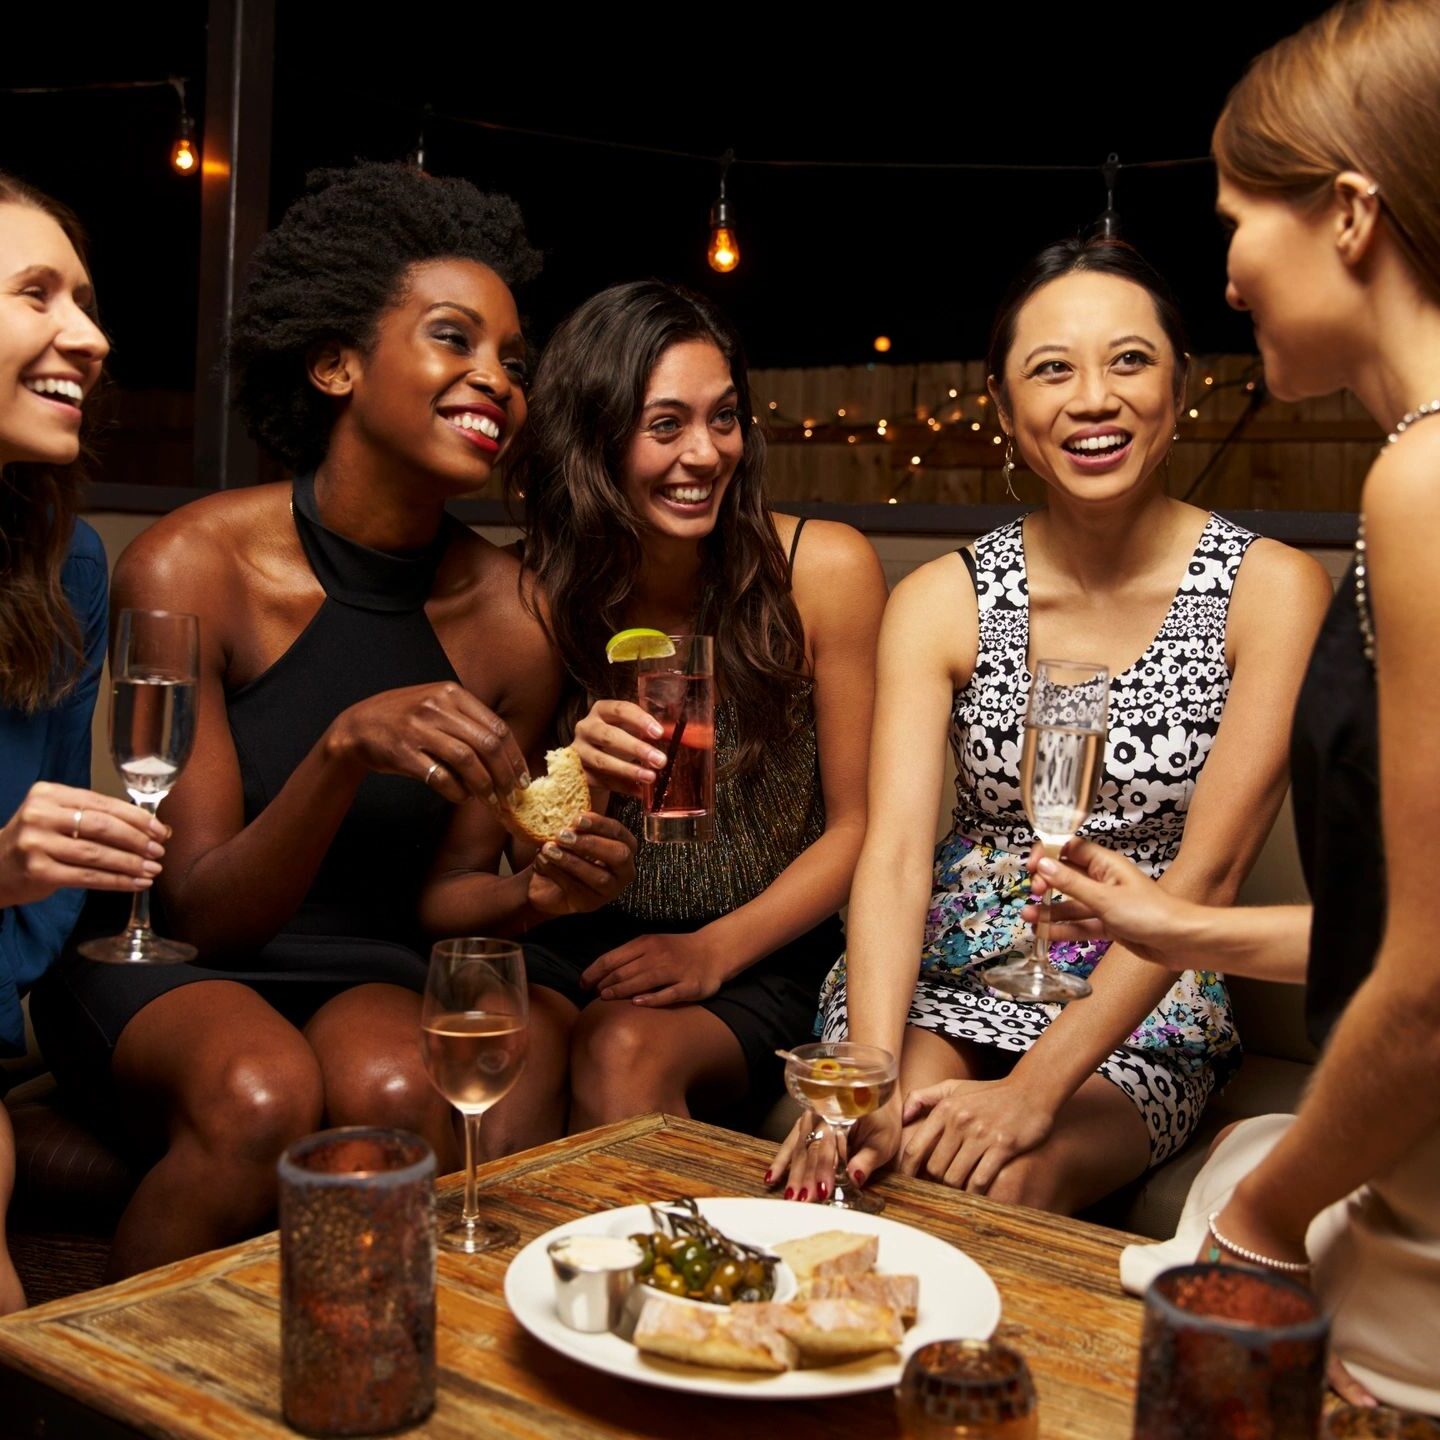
964,1132
439,734
1109,897
585,869
658,970
806,1170
616,743
118,847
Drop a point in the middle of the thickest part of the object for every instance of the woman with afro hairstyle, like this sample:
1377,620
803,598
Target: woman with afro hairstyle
370,681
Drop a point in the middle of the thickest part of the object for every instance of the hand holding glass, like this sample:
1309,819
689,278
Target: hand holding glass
474,1021
1059,771
840,1081
152,727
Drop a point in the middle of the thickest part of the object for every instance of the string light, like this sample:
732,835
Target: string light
841,412
882,343
808,432
954,393
974,424
1194,414
914,459
774,405
1209,379
183,159
724,252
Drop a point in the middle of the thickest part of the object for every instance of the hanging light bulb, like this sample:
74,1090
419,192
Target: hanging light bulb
184,158
724,252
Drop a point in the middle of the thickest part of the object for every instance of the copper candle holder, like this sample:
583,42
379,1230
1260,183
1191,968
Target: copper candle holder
357,1281
1229,1354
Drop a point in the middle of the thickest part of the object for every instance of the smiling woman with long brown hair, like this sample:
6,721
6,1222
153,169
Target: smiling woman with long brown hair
645,504
56,834
369,680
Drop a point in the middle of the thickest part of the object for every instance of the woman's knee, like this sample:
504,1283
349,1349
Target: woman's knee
1032,1179
614,1047
251,1105
369,1087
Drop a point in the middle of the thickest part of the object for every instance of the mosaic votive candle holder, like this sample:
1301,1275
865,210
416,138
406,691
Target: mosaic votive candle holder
966,1390
1230,1354
357,1281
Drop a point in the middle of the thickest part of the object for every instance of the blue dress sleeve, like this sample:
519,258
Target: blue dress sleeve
32,936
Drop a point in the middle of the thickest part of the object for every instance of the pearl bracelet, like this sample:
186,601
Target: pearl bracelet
1253,1257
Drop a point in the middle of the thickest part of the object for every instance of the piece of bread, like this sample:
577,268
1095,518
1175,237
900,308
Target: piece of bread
552,802
900,1292
831,1252
741,1338
827,1332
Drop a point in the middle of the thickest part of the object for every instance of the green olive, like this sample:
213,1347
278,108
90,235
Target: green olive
718,1293
697,1273
688,1253
675,1285
755,1274
727,1272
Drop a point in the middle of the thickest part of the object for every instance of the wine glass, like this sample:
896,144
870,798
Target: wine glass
840,1081
152,727
1059,771
474,1021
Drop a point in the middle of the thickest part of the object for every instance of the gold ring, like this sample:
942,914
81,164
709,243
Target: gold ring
79,816
430,773
815,1136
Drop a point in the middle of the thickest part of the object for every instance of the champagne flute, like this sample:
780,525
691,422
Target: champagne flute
474,1021
152,727
1059,771
841,1080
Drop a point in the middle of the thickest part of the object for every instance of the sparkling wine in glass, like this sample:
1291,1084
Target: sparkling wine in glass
473,1026
841,1080
152,727
1060,769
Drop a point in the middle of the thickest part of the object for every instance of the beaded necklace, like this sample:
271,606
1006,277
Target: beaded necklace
1362,604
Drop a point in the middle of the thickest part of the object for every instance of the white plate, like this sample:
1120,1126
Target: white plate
958,1300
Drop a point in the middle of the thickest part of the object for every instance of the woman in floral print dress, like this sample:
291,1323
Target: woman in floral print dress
1023,1101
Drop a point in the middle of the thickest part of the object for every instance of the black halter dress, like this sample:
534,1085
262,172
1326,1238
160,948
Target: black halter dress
358,922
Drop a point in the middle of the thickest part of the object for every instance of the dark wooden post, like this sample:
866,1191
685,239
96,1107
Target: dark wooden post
234,212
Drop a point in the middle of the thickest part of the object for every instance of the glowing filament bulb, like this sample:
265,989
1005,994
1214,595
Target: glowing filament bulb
183,158
724,252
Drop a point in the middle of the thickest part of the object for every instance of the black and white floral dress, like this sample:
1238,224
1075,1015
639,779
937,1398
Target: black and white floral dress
1164,712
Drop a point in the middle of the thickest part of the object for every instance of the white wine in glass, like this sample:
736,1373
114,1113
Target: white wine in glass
473,1027
1060,765
154,672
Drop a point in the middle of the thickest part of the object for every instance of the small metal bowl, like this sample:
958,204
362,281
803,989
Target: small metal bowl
591,1297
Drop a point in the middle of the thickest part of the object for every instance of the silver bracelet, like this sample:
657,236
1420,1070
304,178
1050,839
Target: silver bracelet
1253,1257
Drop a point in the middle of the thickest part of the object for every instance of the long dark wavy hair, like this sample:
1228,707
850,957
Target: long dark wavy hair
41,646
583,538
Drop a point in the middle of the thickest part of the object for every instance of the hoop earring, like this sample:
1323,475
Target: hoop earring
1009,469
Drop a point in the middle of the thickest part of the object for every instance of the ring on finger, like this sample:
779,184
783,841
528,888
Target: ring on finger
430,773
79,816
815,1136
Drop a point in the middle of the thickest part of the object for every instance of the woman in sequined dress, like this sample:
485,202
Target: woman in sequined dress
1027,1102
645,505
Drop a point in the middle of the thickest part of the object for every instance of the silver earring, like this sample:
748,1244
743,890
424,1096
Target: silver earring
1010,469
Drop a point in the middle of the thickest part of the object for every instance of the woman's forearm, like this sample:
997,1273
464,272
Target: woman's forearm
887,934
1372,1098
238,894
810,888
478,903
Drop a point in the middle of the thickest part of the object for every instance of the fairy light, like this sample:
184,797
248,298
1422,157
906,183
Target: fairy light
892,501
808,432
851,439
995,439
954,393
1194,413
974,424
841,412
774,405
914,459
724,251
882,343
1209,379
184,160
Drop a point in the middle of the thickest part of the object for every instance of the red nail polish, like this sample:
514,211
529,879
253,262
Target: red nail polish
767,1177
858,1176
789,1192
804,1193
821,1190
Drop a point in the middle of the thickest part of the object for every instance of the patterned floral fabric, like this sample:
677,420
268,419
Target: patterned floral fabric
1164,713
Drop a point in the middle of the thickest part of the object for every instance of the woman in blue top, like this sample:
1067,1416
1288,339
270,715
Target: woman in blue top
58,835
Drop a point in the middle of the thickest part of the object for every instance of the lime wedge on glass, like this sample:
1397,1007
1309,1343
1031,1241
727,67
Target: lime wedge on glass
638,645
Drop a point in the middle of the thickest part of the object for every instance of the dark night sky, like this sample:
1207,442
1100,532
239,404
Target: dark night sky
830,257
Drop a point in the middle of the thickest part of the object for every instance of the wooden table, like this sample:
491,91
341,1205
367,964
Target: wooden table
193,1349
